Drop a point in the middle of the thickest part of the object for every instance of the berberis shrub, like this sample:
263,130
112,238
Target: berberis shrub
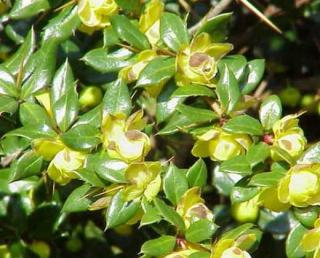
126,134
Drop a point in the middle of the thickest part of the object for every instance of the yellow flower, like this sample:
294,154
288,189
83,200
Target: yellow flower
301,186
235,252
47,148
144,179
197,63
289,137
62,168
245,211
97,13
269,199
149,22
311,240
122,137
220,145
191,207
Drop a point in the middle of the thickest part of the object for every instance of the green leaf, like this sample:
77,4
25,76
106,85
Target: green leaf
150,216
128,32
244,124
200,255
112,170
7,83
110,37
8,104
256,70
23,54
310,156
270,111
197,174
23,9
237,232
119,211
117,99
237,165
169,214
224,182
89,177
160,246
228,90
193,91
258,153
27,165
157,70
104,62
200,230
33,114
293,243
173,31
130,5
267,179
44,67
92,117
175,184
187,117
306,216
77,200
242,192
216,27
62,26
33,132
82,137
237,65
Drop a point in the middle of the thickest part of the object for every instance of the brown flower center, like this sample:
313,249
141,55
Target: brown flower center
198,59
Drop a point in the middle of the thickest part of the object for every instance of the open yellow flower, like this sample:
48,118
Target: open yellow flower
220,145
97,13
144,180
149,22
311,240
62,168
191,207
289,137
197,63
47,147
235,252
123,139
301,186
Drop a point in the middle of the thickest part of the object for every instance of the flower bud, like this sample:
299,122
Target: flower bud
300,187
62,168
220,145
290,96
47,148
90,97
197,63
245,211
122,138
308,103
97,13
289,137
235,252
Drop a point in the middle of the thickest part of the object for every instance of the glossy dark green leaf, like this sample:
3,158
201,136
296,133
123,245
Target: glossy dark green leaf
23,9
23,54
244,124
293,243
256,70
237,65
128,32
104,62
110,37
150,216
89,177
237,165
28,164
258,153
200,230
197,174
77,200
8,104
119,211
175,184
310,156
238,231
228,90
158,70
160,246
7,83
112,170
216,27
33,114
224,182
173,31
169,214
62,26
193,90
92,117
242,193
270,111
306,216
267,179
117,99
187,117
81,137
33,132
44,67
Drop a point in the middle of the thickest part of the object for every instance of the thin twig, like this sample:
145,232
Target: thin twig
214,11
